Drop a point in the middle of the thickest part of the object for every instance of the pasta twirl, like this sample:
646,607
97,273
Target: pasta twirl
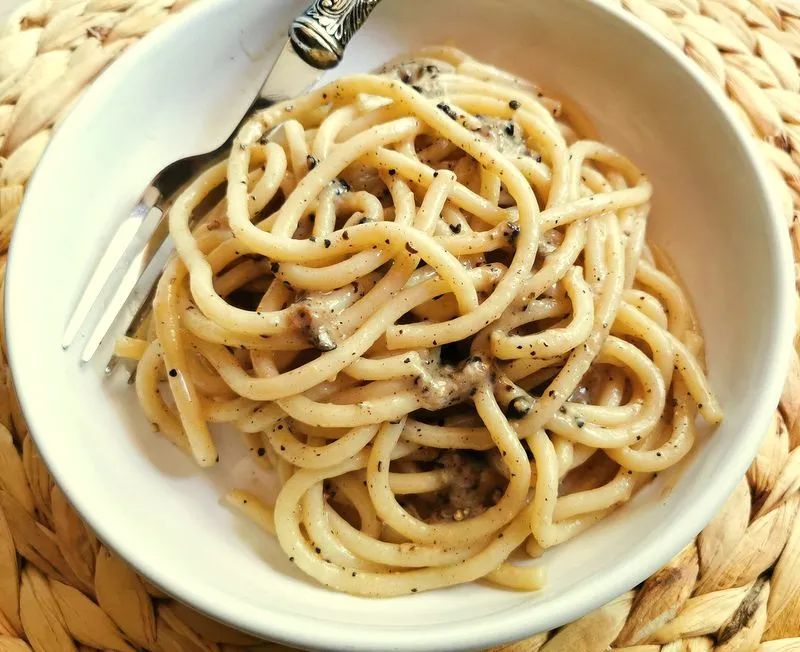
424,298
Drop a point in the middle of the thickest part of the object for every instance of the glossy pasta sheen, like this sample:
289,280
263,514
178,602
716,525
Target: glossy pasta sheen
424,298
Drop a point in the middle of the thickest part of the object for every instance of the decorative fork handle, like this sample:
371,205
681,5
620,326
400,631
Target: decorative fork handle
321,34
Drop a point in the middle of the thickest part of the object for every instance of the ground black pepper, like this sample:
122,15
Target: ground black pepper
518,407
447,110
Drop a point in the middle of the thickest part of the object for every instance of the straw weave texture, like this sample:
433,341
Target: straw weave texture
735,588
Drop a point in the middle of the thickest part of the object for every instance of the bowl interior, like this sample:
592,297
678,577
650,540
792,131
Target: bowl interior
710,214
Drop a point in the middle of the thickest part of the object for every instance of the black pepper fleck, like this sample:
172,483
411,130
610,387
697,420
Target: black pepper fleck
447,110
513,232
518,407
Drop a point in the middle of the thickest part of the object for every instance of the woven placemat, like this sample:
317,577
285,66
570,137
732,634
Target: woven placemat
735,588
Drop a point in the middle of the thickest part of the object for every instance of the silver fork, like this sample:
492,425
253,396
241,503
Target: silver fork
116,298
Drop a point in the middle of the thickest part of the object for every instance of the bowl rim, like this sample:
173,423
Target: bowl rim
513,623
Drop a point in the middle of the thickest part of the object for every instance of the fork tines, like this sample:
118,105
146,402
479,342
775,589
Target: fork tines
123,278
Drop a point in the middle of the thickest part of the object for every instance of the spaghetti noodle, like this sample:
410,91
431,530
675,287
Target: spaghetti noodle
424,298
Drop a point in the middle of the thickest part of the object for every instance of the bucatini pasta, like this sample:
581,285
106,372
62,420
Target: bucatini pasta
424,298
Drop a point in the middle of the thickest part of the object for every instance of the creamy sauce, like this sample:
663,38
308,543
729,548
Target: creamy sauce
421,74
473,487
503,135
441,385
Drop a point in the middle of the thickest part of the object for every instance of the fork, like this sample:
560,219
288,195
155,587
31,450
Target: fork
117,296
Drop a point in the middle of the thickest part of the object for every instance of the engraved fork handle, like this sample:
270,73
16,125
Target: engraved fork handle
321,34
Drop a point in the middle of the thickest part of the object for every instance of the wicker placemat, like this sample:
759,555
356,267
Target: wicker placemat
736,588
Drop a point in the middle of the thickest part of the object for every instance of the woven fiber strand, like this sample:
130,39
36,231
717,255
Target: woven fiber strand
735,588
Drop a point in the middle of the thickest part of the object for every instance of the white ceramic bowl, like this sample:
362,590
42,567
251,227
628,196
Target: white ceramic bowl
711,213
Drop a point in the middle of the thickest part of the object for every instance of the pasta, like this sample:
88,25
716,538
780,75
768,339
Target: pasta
425,300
